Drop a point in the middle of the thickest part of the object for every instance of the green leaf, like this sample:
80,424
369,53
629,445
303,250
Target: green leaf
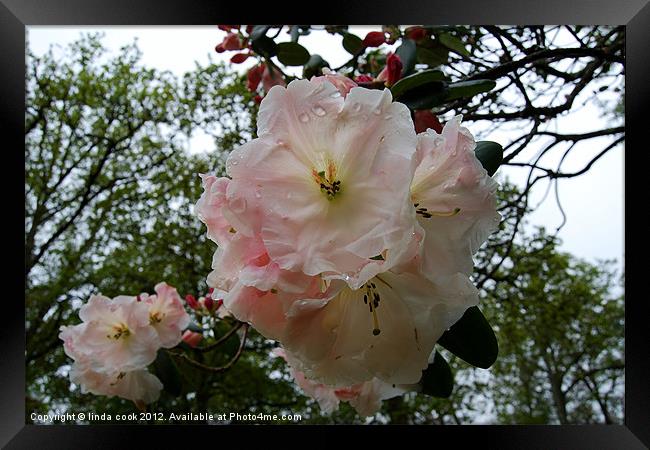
258,31
453,43
353,44
472,339
437,379
377,258
490,154
168,373
424,96
292,54
407,53
469,88
432,56
265,46
415,80
314,66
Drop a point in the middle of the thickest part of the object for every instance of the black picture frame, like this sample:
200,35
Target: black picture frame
16,15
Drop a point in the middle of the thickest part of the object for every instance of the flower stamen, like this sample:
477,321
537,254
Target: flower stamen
121,330
425,213
372,298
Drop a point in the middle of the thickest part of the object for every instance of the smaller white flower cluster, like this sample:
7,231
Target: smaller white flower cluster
119,338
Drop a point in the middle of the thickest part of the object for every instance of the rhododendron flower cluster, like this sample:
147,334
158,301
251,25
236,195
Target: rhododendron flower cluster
118,338
346,236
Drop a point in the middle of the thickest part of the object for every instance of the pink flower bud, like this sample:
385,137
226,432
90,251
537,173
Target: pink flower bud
191,338
208,303
425,119
374,39
219,48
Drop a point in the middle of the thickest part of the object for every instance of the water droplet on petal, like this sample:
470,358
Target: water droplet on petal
258,194
335,94
304,118
388,117
234,163
319,88
238,205
356,107
319,111
377,111
288,194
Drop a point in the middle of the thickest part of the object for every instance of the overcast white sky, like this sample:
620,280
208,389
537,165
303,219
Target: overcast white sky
593,202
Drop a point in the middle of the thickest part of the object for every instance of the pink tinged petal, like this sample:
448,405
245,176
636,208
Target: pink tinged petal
209,208
167,315
137,386
342,83
263,310
450,178
372,394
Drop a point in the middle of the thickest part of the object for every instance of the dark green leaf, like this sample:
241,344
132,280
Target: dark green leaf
292,54
433,56
265,46
437,379
469,88
314,66
490,154
407,53
453,43
415,80
168,373
258,31
352,44
425,96
377,258
472,339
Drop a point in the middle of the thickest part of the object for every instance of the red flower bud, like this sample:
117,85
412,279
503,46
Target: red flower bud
219,48
426,119
393,70
254,77
232,42
415,33
239,58
364,79
374,39
228,27
191,338
208,303
258,99
191,301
